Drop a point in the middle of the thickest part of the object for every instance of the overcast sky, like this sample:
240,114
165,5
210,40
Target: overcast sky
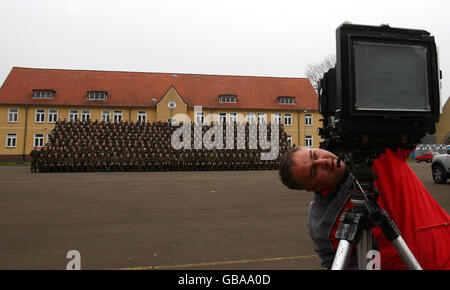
227,37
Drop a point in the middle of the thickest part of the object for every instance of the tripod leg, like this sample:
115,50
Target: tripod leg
364,246
342,256
406,254
392,233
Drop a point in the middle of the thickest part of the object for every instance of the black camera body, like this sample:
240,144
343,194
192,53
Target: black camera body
384,90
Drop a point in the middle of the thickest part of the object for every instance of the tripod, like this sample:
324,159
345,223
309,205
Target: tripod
355,224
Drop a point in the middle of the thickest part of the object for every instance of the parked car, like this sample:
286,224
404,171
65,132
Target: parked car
441,167
427,157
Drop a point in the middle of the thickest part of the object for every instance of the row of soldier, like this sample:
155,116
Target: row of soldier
152,155
184,161
153,135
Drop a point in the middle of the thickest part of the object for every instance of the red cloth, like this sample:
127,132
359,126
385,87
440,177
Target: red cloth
423,223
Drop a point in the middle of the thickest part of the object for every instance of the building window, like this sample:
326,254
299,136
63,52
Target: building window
227,99
250,117
222,118
13,115
309,141
289,139
11,140
106,115
233,117
94,96
85,115
276,118
261,117
40,116
286,100
308,119
142,116
52,115
199,117
73,115
43,94
288,119
38,140
117,116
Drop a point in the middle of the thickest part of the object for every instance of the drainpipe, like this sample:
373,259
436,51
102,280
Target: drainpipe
25,133
298,128
304,125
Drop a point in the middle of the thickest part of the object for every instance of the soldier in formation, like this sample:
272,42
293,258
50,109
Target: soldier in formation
129,146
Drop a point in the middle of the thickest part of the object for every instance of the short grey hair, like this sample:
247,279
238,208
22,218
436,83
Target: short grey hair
286,165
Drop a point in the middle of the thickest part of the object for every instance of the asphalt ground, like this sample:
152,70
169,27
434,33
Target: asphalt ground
208,220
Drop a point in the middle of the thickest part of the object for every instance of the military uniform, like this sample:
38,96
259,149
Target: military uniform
34,158
76,163
83,163
68,163
134,163
107,163
40,162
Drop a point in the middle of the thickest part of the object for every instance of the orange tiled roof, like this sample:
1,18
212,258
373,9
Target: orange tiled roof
137,89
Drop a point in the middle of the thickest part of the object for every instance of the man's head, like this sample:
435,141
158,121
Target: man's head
310,169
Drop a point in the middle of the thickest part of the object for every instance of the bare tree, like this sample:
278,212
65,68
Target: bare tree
315,72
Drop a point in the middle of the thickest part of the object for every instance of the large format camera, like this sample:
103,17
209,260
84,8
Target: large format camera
384,90
383,93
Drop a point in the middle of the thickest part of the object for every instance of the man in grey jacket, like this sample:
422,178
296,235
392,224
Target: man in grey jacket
314,169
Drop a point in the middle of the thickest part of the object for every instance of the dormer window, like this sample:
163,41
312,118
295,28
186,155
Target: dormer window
286,100
95,96
43,94
227,99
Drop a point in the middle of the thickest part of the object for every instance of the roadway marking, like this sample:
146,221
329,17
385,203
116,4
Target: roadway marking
219,263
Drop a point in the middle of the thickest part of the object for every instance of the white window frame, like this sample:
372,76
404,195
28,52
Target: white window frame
277,118
117,115
73,115
287,119
287,100
38,140
222,117
308,119
142,116
43,94
173,122
85,115
232,117
309,141
289,139
250,117
13,116
262,117
200,116
11,140
106,115
230,99
95,96
39,116
52,115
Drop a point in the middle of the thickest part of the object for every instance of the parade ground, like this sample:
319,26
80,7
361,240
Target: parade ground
160,220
